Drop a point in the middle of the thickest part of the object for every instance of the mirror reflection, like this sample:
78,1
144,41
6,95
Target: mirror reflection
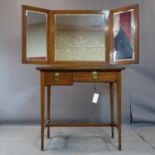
80,37
36,40
123,31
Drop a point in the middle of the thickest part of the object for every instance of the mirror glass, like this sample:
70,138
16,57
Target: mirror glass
36,35
80,37
123,32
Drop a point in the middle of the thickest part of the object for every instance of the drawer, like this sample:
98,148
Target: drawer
58,78
98,76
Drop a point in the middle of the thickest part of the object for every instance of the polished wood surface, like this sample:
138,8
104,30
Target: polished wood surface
81,68
82,124
42,108
63,78
53,76
48,109
101,76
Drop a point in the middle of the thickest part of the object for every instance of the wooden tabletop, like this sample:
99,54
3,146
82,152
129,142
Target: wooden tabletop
80,68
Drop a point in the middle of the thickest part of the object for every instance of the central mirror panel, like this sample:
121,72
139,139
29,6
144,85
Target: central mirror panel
80,37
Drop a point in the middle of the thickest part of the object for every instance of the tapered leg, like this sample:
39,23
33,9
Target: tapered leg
112,107
119,111
42,94
48,109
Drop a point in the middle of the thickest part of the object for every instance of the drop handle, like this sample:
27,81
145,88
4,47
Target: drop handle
56,76
94,75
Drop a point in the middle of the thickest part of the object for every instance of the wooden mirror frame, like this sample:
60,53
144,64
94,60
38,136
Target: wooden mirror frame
108,36
135,60
80,12
24,35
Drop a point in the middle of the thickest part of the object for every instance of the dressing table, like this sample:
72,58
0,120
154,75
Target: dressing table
54,76
80,46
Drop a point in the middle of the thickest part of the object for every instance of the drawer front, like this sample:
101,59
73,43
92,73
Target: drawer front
97,76
58,78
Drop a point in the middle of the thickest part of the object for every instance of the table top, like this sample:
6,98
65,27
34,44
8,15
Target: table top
80,68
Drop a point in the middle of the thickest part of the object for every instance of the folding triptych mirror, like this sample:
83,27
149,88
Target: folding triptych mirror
80,37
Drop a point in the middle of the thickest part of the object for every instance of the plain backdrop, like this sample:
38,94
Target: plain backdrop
19,83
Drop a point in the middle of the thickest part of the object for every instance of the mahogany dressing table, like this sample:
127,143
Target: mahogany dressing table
54,76
80,46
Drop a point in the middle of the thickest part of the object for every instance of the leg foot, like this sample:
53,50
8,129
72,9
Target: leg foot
112,135
42,148
48,134
120,147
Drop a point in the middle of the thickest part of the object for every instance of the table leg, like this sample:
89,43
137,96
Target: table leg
112,107
119,111
48,109
42,94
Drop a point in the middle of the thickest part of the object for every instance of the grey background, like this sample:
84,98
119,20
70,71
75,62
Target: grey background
19,83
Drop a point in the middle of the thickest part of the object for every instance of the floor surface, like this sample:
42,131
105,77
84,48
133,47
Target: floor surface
25,140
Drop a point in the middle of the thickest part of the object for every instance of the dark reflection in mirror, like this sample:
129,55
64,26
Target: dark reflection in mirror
123,31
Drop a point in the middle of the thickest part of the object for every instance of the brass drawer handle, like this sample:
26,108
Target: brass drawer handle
94,75
56,76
